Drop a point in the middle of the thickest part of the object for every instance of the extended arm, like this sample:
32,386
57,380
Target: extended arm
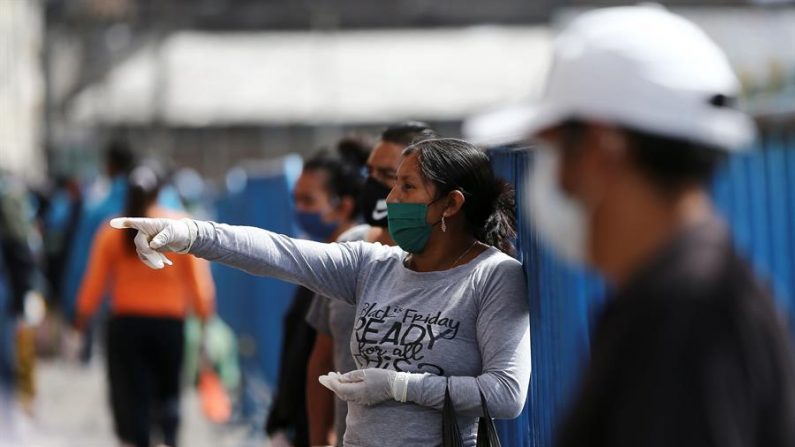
328,269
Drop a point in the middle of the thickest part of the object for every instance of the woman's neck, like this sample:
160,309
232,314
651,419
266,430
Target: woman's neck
445,251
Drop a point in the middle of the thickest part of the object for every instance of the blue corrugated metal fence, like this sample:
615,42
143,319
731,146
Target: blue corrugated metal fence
755,192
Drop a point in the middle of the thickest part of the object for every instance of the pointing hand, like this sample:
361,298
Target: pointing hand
158,235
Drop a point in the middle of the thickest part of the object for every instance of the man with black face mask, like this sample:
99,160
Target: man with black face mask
381,169
333,319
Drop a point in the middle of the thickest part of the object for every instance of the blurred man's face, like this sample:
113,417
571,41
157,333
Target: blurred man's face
593,160
384,161
583,197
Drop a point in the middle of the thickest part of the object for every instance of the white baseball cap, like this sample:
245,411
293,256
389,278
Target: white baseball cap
645,68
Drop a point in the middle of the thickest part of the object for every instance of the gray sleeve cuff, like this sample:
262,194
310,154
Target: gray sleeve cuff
193,231
203,238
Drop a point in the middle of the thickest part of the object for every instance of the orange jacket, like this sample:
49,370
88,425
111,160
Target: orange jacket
138,290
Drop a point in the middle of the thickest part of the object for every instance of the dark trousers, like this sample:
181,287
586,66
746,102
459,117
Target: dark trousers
144,370
288,412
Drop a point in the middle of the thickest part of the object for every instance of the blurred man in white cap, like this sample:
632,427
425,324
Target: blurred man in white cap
689,351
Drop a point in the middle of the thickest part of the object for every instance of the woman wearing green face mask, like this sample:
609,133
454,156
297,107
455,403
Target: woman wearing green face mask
445,310
446,209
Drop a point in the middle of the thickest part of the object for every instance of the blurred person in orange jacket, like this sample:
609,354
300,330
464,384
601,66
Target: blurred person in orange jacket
145,334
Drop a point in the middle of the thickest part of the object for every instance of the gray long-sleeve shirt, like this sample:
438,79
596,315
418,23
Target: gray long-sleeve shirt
468,326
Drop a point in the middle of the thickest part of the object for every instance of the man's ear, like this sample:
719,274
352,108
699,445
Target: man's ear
609,141
455,201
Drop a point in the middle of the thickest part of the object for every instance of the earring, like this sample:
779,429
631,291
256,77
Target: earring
444,225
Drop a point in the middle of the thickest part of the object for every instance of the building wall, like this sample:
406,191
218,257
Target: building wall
21,88
213,151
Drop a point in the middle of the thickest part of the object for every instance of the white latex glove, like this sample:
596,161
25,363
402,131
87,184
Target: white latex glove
157,235
370,386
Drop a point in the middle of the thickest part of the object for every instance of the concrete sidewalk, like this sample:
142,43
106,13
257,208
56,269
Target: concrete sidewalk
72,411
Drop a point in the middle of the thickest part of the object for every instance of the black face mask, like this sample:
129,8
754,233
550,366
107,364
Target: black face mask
372,202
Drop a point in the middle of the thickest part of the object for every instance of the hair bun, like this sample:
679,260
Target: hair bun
501,223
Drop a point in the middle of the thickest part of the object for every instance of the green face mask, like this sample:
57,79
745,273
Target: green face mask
407,225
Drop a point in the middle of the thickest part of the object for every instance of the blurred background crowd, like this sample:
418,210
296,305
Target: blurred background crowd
224,101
